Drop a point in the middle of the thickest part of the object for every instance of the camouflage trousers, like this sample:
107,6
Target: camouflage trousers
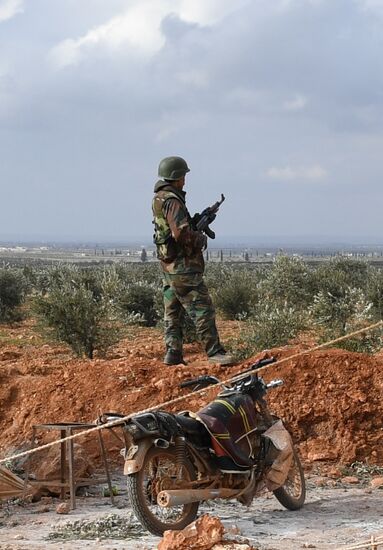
188,292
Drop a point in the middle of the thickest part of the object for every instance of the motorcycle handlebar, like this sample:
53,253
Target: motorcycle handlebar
201,380
106,417
274,384
262,363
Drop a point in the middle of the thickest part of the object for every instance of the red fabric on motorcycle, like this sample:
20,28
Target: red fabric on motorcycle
230,419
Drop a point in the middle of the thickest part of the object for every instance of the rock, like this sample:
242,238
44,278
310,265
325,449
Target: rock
377,482
42,509
320,482
352,480
327,454
320,448
63,508
160,384
18,537
335,473
202,534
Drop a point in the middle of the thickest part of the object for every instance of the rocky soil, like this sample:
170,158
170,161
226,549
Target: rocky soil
337,513
332,401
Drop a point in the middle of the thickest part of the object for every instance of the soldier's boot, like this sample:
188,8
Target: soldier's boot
222,358
174,357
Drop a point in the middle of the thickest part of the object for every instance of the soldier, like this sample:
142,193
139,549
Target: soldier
179,249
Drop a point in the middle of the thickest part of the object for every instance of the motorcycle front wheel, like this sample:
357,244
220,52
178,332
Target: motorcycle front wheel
158,473
292,494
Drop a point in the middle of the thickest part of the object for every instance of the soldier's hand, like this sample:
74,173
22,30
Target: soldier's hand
195,219
203,241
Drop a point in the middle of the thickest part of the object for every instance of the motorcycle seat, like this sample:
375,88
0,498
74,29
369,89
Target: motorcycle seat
191,426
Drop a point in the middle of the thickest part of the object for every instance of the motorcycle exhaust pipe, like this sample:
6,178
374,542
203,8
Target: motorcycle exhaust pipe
178,497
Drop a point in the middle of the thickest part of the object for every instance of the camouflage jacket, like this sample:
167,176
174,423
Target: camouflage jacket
179,246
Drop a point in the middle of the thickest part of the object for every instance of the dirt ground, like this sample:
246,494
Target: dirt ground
336,514
332,401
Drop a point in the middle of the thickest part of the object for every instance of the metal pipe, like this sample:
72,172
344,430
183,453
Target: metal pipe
178,497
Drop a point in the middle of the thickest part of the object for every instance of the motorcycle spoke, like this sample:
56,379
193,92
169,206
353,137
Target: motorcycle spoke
293,483
158,470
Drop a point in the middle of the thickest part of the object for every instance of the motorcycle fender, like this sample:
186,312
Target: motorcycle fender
135,457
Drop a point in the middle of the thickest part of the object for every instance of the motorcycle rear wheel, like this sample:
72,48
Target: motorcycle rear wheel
158,473
292,494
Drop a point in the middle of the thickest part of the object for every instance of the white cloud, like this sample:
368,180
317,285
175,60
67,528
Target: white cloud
193,77
207,12
10,8
138,29
299,173
297,103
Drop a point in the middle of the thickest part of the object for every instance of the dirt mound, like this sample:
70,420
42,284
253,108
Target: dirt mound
331,400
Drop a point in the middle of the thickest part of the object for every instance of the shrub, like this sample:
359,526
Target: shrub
288,283
341,315
374,291
148,273
12,295
271,327
338,274
215,275
138,304
336,314
79,310
237,294
365,343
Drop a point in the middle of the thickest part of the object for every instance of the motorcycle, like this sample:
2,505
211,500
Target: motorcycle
234,448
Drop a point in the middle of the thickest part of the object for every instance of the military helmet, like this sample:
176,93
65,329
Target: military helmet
172,168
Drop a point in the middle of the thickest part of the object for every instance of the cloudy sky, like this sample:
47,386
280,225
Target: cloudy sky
276,103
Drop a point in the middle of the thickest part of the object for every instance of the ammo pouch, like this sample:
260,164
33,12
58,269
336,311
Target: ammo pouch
167,248
167,252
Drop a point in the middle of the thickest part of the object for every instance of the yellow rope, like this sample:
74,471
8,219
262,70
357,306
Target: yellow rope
183,397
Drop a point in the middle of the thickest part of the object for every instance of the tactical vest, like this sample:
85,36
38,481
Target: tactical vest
167,248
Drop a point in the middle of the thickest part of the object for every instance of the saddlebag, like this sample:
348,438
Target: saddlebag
279,454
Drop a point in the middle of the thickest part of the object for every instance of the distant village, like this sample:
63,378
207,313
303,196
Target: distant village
52,253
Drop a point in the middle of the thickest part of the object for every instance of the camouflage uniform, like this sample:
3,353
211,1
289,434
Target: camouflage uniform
179,249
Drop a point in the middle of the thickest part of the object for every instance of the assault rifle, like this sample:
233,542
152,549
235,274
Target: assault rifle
202,221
